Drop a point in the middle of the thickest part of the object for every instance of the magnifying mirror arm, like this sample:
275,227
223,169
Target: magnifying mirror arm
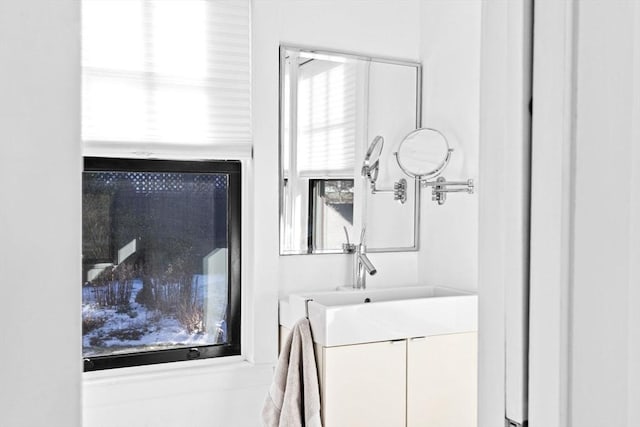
440,187
370,173
399,190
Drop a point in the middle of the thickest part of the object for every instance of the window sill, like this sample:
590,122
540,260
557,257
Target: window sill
230,372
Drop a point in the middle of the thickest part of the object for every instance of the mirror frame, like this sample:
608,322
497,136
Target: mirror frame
418,124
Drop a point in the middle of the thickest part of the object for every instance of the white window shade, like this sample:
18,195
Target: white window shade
166,77
327,118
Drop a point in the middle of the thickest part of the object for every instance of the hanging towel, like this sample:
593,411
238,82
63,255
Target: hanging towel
294,395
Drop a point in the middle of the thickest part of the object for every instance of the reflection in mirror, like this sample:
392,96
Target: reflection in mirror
371,168
331,208
371,163
424,153
331,106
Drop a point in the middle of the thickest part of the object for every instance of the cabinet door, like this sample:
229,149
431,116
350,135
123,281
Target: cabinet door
442,381
364,385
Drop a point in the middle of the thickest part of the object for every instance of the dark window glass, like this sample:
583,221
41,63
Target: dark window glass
160,278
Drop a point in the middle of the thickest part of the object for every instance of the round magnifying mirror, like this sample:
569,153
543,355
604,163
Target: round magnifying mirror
423,153
371,163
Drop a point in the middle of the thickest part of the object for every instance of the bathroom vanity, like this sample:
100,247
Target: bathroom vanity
386,357
392,357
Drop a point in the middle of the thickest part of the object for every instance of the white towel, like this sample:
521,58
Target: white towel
294,396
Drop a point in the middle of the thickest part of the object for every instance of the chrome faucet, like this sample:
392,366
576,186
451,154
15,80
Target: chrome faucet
361,262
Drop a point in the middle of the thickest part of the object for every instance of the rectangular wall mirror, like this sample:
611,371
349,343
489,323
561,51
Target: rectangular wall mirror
332,105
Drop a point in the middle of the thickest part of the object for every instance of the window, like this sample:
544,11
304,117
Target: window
161,261
330,212
163,79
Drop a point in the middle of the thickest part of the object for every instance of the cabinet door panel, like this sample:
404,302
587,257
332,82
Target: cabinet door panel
365,385
442,381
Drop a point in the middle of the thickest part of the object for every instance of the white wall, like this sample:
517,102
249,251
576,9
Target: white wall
450,53
200,393
40,164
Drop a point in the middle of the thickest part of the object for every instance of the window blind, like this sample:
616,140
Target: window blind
327,118
166,76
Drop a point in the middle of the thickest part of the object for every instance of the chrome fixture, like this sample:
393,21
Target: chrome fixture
361,262
371,167
440,188
423,155
371,163
348,248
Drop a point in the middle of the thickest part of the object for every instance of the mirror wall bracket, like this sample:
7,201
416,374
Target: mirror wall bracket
399,190
440,187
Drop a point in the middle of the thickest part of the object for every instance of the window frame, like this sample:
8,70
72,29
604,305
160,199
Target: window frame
232,168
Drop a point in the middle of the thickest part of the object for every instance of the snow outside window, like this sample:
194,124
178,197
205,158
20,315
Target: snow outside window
160,261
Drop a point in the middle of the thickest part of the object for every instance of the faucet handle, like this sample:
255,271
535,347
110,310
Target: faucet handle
348,247
346,233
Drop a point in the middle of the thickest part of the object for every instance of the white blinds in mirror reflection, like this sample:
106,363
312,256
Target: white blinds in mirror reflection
327,118
164,73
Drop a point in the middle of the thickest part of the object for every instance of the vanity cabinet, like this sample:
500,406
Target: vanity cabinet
442,381
418,382
391,357
364,384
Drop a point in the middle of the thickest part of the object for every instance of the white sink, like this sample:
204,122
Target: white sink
360,316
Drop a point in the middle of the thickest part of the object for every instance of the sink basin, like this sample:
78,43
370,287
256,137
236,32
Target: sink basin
360,316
